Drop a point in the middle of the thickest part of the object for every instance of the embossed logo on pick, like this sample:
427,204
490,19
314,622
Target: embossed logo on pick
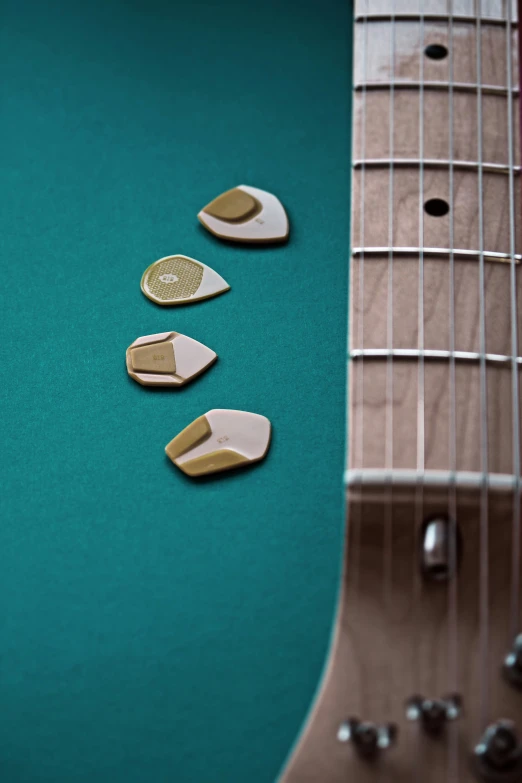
168,278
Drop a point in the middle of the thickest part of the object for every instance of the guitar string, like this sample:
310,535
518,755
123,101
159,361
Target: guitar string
388,439
355,521
515,567
453,748
419,487
483,522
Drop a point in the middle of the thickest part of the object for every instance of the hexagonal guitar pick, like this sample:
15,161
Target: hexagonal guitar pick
167,359
220,440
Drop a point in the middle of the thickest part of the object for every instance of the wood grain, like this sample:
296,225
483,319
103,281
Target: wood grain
388,305
393,639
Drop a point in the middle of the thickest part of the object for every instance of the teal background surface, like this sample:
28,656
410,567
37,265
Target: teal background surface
153,628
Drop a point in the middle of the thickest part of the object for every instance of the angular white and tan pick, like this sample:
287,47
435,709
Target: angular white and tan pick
246,214
220,440
179,279
167,359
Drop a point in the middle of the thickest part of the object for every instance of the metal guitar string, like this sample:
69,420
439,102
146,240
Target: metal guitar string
420,338
453,754
484,532
515,567
388,440
356,518
419,485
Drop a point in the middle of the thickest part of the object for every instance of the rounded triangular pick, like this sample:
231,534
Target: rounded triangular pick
167,359
246,214
179,279
220,440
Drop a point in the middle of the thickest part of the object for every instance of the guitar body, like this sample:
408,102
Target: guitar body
393,633
422,679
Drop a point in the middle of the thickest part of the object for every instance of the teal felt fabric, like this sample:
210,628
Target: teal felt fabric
154,629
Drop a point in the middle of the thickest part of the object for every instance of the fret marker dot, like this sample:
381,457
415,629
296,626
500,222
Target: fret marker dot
436,52
436,207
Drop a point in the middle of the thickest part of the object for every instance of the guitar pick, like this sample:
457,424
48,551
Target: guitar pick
179,279
246,214
220,440
167,359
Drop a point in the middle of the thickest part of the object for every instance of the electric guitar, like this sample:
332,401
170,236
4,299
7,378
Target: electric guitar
424,677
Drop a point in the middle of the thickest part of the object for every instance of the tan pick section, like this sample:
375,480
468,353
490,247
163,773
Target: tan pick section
188,439
212,462
233,205
154,358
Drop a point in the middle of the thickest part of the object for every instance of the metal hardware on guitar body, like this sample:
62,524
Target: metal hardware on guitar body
438,562
433,714
498,756
512,666
370,739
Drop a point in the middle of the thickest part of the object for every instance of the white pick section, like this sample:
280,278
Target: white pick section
190,356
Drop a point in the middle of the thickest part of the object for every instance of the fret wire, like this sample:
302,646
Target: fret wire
472,480
413,17
515,570
435,251
414,353
484,538
487,89
490,168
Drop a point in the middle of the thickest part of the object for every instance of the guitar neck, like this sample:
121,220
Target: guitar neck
436,245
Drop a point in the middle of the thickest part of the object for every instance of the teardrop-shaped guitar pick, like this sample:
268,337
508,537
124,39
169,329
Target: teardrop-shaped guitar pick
167,359
179,279
220,440
246,214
